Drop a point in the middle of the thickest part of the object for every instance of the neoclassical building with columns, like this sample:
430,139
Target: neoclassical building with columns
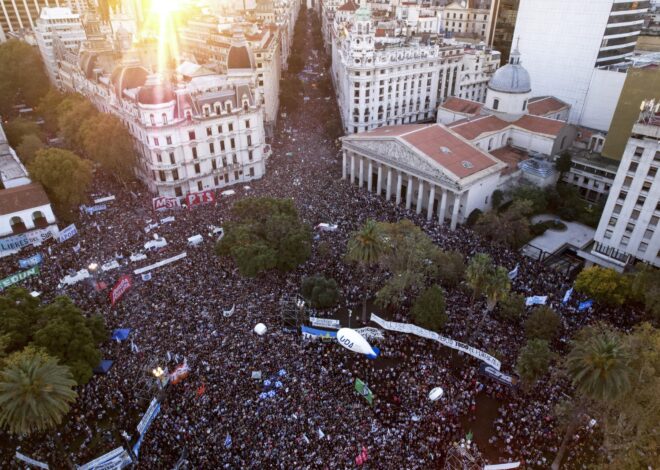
428,166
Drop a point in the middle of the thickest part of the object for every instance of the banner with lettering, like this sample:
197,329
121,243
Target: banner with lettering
204,197
31,261
18,277
34,238
67,233
123,284
163,202
450,343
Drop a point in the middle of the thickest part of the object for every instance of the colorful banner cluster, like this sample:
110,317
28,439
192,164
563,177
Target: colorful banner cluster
123,284
18,277
31,261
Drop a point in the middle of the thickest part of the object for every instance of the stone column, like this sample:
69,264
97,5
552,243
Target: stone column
454,212
420,196
429,209
379,183
399,183
442,208
388,190
409,191
343,164
370,175
361,177
352,168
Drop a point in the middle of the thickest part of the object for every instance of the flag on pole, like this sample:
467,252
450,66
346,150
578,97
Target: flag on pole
513,273
227,441
321,434
76,248
134,347
364,391
587,304
567,296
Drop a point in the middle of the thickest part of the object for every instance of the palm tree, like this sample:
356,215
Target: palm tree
35,393
365,247
497,287
598,366
477,272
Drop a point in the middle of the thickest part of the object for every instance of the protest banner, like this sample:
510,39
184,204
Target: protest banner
31,261
536,300
161,263
450,343
123,284
325,322
313,333
29,461
363,390
163,203
495,374
115,459
203,197
18,277
67,233
104,199
149,415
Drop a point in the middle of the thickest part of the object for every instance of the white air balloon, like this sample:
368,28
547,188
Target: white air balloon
354,341
436,393
260,329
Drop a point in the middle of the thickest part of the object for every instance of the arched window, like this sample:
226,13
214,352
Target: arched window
496,104
218,108
39,219
228,106
152,119
245,105
164,117
17,225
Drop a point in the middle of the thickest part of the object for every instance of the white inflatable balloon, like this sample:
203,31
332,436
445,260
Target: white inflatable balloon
436,393
260,329
354,341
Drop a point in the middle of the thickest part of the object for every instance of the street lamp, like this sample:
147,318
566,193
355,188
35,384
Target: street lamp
159,373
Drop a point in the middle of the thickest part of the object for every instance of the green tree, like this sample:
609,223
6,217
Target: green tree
365,248
18,128
533,361
73,111
645,288
22,76
451,267
35,393
59,328
106,141
511,308
265,233
598,367
411,258
543,323
320,291
604,285
536,196
497,199
429,309
29,147
65,176
510,227
497,287
48,110
478,270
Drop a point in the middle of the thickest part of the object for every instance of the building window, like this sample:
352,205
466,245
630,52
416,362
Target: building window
214,164
249,141
168,140
648,234
639,151
228,107
643,246
194,152
232,143
159,158
175,175
251,171
156,143
177,191
211,148
191,135
250,155
247,123
220,129
633,167
234,159
236,175
216,180
164,117
152,119
652,172
525,107
197,168
222,145
199,186
230,127
161,175
496,104
172,159
608,234
209,131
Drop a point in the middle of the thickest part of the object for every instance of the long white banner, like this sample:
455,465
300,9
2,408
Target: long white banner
450,343
29,461
161,263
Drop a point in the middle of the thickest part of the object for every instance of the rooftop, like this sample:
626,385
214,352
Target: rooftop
21,198
473,128
544,105
463,106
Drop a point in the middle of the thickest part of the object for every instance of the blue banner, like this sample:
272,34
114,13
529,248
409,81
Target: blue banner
68,232
587,304
308,332
97,208
567,295
31,261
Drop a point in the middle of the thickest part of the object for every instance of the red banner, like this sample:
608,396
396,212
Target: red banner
123,284
164,202
205,197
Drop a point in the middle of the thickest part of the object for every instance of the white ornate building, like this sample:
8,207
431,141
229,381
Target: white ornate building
385,77
192,133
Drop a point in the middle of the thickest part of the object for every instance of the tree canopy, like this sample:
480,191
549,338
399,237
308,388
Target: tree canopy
18,128
64,175
543,323
265,233
22,75
107,141
533,361
429,309
59,328
603,285
320,291
29,147
510,227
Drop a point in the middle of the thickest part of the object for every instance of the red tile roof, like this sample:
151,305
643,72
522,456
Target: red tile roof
21,198
511,157
460,105
540,125
348,6
545,105
473,128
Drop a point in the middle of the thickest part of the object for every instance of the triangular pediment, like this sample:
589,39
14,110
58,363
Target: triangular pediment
396,154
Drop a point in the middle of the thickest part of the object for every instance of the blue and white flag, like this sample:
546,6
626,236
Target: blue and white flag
536,300
567,295
227,441
146,276
513,273
76,248
587,304
31,261
68,232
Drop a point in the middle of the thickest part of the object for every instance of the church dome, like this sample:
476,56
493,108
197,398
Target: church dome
512,78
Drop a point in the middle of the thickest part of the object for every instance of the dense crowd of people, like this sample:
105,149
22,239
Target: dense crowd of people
315,419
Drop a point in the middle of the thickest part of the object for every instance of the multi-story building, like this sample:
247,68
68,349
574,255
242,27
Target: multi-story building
207,42
572,50
57,27
198,132
502,25
477,68
628,229
384,78
468,19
